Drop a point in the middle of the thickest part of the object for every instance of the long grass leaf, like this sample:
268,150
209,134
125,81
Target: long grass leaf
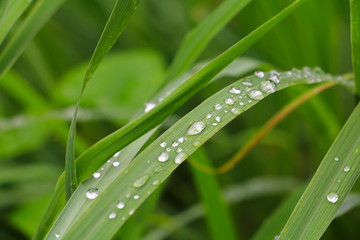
355,40
330,185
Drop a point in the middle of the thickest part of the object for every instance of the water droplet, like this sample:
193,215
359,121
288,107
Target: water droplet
181,139
57,235
116,163
218,106
175,144
235,90
336,159
112,215
346,169
141,181
276,237
235,111
92,193
156,182
256,95
241,103
131,212
163,157
274,78
149,106
332,197
168,149
179,150
180,157
117,154
163,144
136,196
96,174
128,195
229,101
218,119
259,74
209,115
120,205
214,124
268,87
158,169
196,144
247,82
196,128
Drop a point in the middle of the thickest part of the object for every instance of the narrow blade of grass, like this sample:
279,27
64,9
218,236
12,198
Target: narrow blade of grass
213,201
154,164
330,185
355,40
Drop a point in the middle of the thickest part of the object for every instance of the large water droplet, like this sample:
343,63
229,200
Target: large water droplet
120,205
156,182
268,87
112,215
274,78
117,154
175,144
57,235
163,157
247,82
149,106
196,128
336,159
259,74
218,106
96,174
208,116
346,169
235,111
116,163
92,193
229,101
163,144
332,197
141,181
218,119
180,157
131,212
256,95
235,90
181,139
136,197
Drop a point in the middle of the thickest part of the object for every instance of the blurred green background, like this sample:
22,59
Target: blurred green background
38,95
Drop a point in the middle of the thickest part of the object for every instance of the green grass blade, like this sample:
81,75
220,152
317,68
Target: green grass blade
37,17
118,21
198,38
92,159
213,201
355,40
327,190
13,11
154,164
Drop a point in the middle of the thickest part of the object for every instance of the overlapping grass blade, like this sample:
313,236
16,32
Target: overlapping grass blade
154,164
355,40
36,18
13,11
329,187
199,37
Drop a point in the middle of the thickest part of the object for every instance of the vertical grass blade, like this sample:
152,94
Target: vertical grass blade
355,41
330,185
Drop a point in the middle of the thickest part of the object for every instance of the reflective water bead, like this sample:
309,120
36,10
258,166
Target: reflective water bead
256,95
179,150
218,119
208,116
116,163
120,205
229,101
346,169
128,195
112,215
156,182
218,106
196,144
168,149
92,193
158,169
332,197
96,174
336,159
235,111
259,74
214,124
196,128
163,157
136,196
247,82
235,90
131,212
117,154
268,87
163,144
149,106
141,181
180,158
175,144
181,139
274,78
241,103
57,235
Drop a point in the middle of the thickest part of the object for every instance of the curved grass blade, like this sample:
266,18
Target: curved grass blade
154,164
37,17
355,40
199,37
331,183
13,11
118,21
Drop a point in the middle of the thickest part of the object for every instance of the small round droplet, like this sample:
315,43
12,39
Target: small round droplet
117,154
96,174
336,159
235,90
57,235
229,101
218,106
158,169
268,87
120,205
332,197
163,144
208,116
181,139
218,119
274,78
168,149
196,144
92,193
163,157
179,150
116,163
131,212
259,74
136,197
235,111
241,103
112,215
346,169
256,95
141,181
180,158
156,182
149,106
196,128
175,144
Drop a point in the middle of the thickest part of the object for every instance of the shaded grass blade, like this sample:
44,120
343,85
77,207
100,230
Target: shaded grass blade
331,183
154,164
355,40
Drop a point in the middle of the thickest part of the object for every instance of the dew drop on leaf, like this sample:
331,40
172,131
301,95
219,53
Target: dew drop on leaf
96,174
332,197
259,74
229,101
57,235
116,163
163,157
112,215
149,106
196,128
92,193
235,111
268,87
163,144
180,158
256,95
235,90
218,106
346,169
120,205
141,181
